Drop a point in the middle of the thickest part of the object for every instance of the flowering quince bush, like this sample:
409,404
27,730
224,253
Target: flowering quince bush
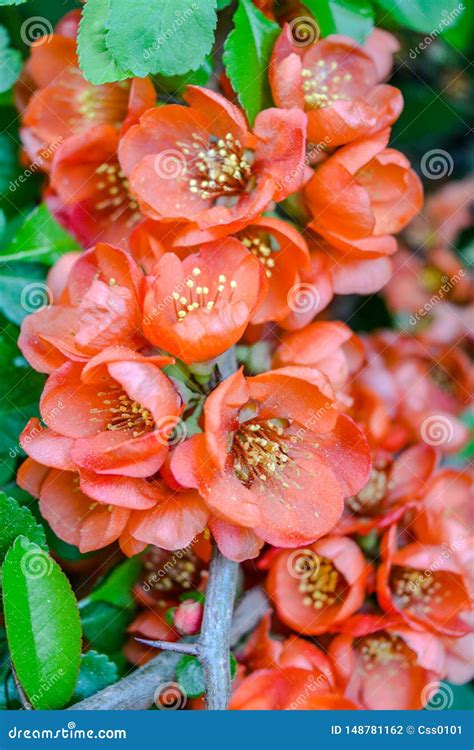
236,345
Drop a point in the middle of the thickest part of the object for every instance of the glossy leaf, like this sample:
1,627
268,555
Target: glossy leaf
17,520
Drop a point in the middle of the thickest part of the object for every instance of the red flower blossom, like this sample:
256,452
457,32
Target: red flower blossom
424,585
199,307
112,414
315,588
99,307
446,515
266,439
89,182
335,82
282,251
382,664
361,196
200,164
395,485
64,103
330,346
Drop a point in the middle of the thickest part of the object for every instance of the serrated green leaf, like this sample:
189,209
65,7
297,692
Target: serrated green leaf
42,623
95,59
40,238
354,18
96,672
247,53
17,520
10,62
422,16
169,37
190,676
116,588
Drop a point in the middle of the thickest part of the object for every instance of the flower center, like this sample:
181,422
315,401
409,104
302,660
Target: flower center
263,251
113,194
106,103
179,570
324,84
416,590
323,587
216,167
123,412
195,296
260,451
369,500
381,650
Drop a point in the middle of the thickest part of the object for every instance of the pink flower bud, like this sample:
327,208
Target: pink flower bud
188,617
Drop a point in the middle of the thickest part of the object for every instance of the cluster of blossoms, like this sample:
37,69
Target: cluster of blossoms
196,392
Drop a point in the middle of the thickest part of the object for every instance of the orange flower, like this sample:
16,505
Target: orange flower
113,413
317,587
330,346
275,458
334,82
395,485
64,103
99,307
361,196
445,516
425,585
382,664
284,255
199,307
200,164
91,186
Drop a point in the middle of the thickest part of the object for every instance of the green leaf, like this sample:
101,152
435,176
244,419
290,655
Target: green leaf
42,622
17,520
23,289
10,62
177,84
353,18
422,16
116,588
190,676
19,396
247,53
95,60
169,37
105,625
40,238
96,672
